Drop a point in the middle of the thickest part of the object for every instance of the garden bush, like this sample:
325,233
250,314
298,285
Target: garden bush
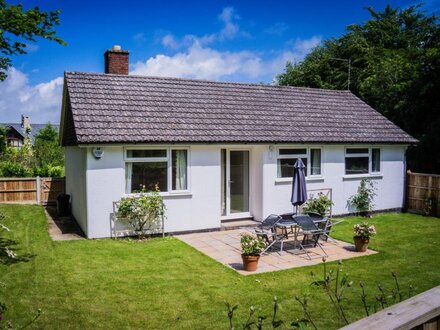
144,211
48,170
320,204
364,199
13,169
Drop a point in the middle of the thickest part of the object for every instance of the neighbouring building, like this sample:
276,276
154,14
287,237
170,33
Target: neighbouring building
16,132
218,150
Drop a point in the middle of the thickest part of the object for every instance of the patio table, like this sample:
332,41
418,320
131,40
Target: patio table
288,227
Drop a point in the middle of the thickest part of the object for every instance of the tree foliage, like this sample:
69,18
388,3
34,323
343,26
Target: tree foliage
19,26
43,158
47,148
395,67
3,135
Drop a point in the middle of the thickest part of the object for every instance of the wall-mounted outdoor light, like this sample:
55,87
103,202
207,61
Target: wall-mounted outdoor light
271,150
97,152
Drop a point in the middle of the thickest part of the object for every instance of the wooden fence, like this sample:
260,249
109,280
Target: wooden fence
421,312
31,190
423,193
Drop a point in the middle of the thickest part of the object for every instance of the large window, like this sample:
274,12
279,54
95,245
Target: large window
311,158
362,161
165,167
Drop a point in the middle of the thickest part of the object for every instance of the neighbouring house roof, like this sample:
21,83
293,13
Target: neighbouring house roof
108,108
35,128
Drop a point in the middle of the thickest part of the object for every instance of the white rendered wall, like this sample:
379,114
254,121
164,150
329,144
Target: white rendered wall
199,209
390,184
256,187
105,184
76,184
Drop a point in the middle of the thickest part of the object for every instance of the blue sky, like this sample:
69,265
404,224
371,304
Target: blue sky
221,40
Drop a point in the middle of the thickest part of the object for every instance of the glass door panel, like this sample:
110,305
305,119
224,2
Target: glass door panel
224,179
239,181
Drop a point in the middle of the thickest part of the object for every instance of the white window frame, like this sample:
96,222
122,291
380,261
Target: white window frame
167,159
307,155
369,154
371,160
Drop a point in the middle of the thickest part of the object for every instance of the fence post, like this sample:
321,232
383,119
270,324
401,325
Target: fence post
38,189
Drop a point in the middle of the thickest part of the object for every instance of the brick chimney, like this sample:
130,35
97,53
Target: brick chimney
116,60
26,123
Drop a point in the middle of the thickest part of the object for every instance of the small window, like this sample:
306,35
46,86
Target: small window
148,153
315,161
179,166
293,152
357,151
375,160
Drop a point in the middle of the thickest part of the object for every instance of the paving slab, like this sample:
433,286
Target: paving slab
224,246
62,228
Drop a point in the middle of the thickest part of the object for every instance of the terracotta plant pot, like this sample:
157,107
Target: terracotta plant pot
250,263
360,243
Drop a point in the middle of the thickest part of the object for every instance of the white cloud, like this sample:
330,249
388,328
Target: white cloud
303,46
140,37
196,57
199,62
202,62
42,102
169,41
230,30
31,48
277,29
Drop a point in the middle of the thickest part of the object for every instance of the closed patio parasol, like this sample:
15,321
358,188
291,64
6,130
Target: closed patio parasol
299,188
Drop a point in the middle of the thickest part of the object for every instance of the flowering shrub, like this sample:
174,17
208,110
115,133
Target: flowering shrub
320,204
364,230
363,200
144,211
251,245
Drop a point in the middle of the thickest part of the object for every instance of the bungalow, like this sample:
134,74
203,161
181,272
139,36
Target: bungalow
16,132
218,150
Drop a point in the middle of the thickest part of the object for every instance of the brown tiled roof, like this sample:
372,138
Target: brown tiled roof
138,109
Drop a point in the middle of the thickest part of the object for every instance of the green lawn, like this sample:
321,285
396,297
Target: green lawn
163,283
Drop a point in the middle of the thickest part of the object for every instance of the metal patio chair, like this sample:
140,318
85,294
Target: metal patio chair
324,223
267,231
311,233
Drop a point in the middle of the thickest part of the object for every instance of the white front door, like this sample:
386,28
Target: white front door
235,183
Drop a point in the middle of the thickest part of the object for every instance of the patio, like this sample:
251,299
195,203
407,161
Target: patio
224,247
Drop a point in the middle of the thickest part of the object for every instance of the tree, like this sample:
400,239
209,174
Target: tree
48,151
395,67
47,134
3,134
18,26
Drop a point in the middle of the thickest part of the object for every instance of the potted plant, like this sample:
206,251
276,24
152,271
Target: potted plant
362,233
251,247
